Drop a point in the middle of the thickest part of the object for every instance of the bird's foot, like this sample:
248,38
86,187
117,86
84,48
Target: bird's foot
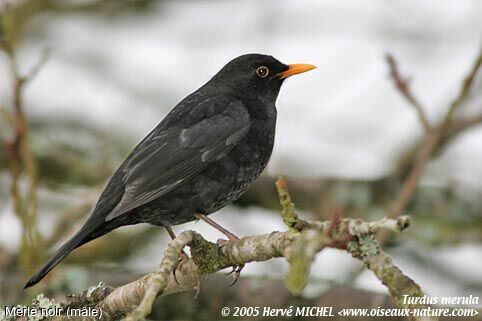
221,242
183,257
231,237
236,270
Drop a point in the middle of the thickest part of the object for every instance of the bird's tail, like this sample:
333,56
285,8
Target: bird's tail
82,237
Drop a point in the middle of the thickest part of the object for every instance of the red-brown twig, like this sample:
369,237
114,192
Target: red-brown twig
402,84
464,91
464,123
433,138
434,135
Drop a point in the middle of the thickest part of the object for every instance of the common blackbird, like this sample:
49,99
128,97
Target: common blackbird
201,157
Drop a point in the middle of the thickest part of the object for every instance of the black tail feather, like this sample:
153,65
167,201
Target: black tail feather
82,237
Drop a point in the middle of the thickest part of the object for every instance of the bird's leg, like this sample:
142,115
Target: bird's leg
169,230
183,256
231,237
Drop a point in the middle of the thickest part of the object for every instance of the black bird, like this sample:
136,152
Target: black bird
201,157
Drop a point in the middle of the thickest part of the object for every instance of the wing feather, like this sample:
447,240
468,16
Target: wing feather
173,154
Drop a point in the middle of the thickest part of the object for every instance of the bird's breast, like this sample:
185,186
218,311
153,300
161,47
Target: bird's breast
248,159
220,184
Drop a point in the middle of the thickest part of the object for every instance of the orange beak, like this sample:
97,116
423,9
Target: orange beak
295,69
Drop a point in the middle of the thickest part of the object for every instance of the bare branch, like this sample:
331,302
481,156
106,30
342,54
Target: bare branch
402,84
424,155
36,68
458,126
432,142
465,123
464,90
21,158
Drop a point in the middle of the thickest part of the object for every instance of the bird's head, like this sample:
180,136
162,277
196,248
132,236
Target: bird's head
256,76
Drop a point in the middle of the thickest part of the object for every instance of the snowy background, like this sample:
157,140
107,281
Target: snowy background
123,71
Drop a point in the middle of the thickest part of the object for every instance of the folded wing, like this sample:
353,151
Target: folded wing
171,155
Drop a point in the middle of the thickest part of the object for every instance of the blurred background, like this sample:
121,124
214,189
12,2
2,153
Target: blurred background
346,138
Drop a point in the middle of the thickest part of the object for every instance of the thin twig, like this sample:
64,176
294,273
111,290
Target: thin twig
431,142
402,84
21,157
464,91
36,67
465,123
458,126
411,182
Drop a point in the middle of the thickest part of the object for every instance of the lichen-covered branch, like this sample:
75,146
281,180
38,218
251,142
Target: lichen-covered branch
298,246
290,218
300,254
135,299
367,250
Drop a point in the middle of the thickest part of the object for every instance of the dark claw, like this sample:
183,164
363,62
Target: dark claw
236,270
234,281
236,275
231,272
182,258
175,277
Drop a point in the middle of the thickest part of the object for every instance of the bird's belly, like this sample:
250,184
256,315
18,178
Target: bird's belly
239,183
220,184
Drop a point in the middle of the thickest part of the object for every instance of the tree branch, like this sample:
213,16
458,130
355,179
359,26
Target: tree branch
402,84
464,91
290,218
464,123
434,138
135,299
21,158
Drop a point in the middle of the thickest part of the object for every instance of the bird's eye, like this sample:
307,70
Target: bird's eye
262,72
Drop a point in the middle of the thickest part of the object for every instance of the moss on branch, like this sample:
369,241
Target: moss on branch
135,299
299,245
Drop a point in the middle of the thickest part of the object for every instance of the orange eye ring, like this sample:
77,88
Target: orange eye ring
262,71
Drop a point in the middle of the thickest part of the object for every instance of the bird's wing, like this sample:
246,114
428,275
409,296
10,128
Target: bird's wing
172,155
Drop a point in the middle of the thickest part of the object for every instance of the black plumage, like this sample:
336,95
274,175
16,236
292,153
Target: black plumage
201,157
